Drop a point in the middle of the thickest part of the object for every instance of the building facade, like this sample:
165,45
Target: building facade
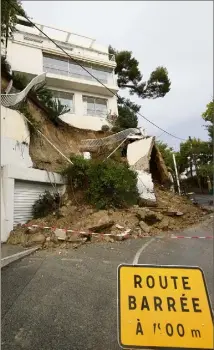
32,53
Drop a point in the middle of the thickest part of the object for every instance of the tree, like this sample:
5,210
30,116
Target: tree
9,11
126,118
208,116
129,77
194,153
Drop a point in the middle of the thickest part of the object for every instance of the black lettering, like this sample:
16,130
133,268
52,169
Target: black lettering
171,303
180,330
132,302
137,281
139,328
165,282
183,304
185,281
169,329
145,304
196,333
157,304
174,278
148,279
195,304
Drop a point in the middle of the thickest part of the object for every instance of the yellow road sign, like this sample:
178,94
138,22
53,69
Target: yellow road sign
163,307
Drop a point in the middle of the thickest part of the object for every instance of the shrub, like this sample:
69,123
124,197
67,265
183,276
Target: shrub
77,174
111,184
46,204
106,184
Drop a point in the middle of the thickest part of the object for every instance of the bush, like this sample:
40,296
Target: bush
107,184
111,185
46,204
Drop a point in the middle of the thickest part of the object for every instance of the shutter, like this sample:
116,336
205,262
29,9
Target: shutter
25,195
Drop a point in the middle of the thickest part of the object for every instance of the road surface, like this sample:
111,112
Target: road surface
68,300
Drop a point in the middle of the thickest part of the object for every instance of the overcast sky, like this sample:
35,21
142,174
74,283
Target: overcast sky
174,34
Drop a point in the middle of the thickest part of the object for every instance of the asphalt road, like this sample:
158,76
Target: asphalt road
68,300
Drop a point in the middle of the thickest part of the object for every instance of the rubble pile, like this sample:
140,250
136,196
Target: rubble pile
75,225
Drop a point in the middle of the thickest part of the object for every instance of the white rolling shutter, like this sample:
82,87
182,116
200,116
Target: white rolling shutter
25,195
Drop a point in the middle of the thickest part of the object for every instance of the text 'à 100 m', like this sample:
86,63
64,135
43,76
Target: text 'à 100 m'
168,329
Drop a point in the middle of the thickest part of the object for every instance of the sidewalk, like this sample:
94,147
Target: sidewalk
11,253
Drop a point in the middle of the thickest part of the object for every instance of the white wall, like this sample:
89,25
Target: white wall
15,139
25,59
78,119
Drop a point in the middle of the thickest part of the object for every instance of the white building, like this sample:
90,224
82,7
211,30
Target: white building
30,52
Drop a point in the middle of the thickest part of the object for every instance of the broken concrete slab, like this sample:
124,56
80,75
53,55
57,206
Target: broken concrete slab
60,234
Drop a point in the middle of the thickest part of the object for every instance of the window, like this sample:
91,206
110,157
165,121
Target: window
64,66
65,98
95,106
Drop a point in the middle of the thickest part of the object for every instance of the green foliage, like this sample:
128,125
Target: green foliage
199,152
208,116
77,174
20,80
206,170
9,17
46,204
126,118
107,184
53,105
129,76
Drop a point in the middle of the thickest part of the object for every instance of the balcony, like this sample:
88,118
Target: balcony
62,72
78,45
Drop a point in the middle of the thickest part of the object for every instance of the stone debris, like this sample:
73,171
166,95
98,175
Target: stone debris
144,226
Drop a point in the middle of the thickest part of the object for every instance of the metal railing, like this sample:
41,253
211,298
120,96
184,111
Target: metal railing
13,100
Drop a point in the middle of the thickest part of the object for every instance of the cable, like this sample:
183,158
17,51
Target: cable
78,63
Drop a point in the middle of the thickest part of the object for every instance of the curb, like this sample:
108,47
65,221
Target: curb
14,257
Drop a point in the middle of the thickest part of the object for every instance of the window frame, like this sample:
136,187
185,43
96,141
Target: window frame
93,68
68,93
94,114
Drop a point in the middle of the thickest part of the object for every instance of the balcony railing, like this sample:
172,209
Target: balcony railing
68,40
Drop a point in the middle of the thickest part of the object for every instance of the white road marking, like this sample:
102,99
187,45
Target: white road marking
144,246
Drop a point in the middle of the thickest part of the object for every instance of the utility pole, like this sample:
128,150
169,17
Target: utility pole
176,173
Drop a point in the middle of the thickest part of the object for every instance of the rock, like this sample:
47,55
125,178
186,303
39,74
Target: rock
144,227
97,222
163,225
173,213
148,216
38,238
63,211
60,234
75,238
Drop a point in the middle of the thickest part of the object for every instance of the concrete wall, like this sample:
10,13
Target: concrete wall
9,174
15,139
138,153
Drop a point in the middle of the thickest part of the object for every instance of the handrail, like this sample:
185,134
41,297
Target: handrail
12,100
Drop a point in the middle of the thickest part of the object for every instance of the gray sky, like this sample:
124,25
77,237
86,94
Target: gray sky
174,34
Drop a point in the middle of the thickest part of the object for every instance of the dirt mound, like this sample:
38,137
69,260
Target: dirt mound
173,212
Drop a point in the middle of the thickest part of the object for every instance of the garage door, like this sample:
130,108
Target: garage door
25,195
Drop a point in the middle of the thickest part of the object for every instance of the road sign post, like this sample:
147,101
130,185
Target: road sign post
163,307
